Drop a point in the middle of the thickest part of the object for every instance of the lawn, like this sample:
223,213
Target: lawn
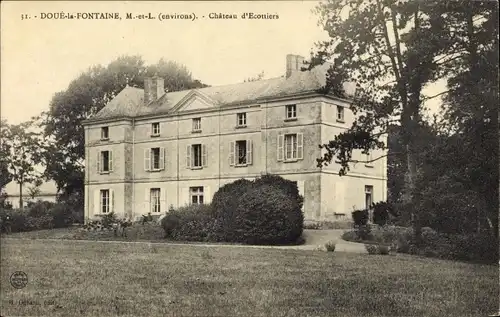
89,278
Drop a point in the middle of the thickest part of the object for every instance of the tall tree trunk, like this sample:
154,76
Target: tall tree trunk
21,195
413,77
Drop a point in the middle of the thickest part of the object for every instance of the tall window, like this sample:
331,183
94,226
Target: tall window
340,113
291,111
196,156
196,124
196,194
241,152
105,162
290,146
104,133
155,129
154,198
368,196
155,158
105,201
241,119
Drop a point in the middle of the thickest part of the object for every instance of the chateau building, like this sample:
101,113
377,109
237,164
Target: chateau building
147,150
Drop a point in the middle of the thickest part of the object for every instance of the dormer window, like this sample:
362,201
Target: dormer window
340,114
155,129
291,112
105,133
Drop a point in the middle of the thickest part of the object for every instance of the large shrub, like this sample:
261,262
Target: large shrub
360,217
289,187
381,213
224,204
189,223
266,215
40,208
228,199
63,215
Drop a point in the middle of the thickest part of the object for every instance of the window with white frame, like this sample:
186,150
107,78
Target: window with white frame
155,200
155,129
154,159
105,201
196,124
291,111
196,156
368,196
196,194
241,119
290,147
104,133
340,113
105,162
240,153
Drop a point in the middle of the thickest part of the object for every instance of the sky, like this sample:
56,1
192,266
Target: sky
40,57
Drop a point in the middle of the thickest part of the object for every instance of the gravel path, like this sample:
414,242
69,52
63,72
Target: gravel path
315,239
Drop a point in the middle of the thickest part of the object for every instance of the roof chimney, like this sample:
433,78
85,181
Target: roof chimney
294,63
153,89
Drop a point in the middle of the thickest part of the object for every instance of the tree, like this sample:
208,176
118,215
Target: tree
85,96
5,176
471,110
24,147
389,49
34,189
392,49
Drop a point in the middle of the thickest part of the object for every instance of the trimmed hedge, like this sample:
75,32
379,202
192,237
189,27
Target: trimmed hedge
189,223
267,215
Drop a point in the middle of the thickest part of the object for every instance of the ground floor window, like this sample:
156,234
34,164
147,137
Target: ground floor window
369,201
104,201
155,202
196,194
368,196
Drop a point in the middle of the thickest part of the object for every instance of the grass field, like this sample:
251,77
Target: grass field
88,278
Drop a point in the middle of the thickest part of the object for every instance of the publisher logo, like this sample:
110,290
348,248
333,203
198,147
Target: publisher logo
18,279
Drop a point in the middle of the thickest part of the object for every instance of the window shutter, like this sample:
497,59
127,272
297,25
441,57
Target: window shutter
188,156
162,158
97,201
300,146
147,159
204,155
281,141
111,200
163,200
249,151
147,205
231,153
98,161
110,161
